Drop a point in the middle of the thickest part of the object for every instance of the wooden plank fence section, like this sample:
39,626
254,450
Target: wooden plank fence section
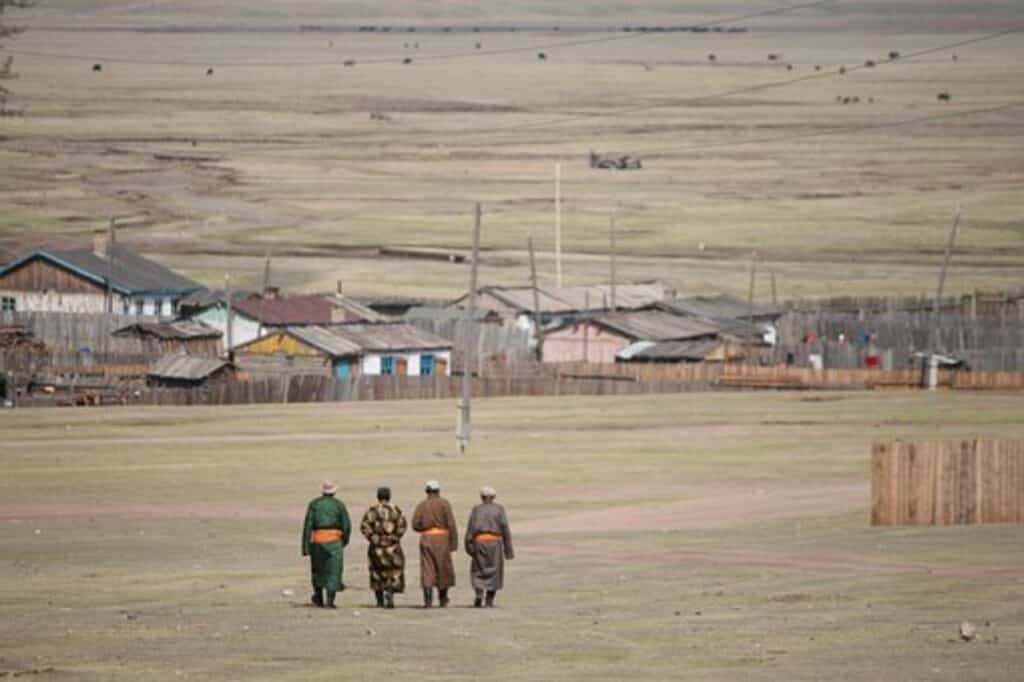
947,482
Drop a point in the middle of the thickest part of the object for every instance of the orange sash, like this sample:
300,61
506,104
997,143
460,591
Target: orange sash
325,535
436,531
487,537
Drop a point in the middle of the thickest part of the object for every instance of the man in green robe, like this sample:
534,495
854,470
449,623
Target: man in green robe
325,534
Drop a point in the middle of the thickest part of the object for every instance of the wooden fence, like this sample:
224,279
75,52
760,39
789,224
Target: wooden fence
947,482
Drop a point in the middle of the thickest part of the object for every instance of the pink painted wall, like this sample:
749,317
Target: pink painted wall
567,345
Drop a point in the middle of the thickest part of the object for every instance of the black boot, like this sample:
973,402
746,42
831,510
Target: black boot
490,599
379,594
389,599
317,599
479,601
442,598
428,597
330,600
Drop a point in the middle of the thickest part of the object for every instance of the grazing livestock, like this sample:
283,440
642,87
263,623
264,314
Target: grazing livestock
789,67
944,97
712,58
773,57
349,62
209,72
97,67
894,55
842,70
614,162
541,56
407,60
869,64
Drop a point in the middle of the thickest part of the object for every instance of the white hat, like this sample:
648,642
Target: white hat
328,488
433,486
488,491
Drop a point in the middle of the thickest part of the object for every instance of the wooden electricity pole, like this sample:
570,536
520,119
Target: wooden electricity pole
538,322
462,426
937,310
228,326
263,295
558,225
110,267
611,263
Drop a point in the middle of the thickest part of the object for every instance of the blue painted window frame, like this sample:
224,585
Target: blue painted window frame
387,365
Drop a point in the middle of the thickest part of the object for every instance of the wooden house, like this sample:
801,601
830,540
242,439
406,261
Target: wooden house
602,338
347,350
106,278
194,338
181,370
257,314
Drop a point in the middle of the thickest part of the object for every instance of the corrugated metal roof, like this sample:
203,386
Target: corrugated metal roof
129,272
288,310
182,366
722,306
357,309
325,340
669,350
599,296
655,325
445,314
179,329
390,337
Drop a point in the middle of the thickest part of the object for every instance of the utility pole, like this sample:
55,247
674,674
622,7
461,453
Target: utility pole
775,295
538,322
462,427
263,295
228,325
932,373
611,263
558,225
586,326
750,302
110,267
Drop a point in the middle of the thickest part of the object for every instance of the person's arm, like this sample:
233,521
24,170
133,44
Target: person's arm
417,519
470,532
453,530
307,528
506,536
346,525
366,527
401,525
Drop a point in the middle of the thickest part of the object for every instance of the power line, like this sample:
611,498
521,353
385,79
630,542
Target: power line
840,130
633,35
741,91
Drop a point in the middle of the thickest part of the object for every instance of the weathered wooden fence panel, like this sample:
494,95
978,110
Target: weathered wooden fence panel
947,482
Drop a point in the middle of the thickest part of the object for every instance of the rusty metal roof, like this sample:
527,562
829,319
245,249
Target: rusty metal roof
184,366
288,310
722,306
179,329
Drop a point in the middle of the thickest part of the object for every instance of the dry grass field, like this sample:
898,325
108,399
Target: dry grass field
672,537
276,150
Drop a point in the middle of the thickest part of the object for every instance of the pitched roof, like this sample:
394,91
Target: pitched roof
179,329
183,366
599,296
722,306
431,314
357,309
288,310
129,272
654,325
325,340
204,298
390,337
521,299
695,350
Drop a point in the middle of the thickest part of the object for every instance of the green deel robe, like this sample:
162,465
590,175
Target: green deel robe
326,558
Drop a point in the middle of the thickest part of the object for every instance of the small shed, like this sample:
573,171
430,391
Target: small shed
306,350
194,338
181,370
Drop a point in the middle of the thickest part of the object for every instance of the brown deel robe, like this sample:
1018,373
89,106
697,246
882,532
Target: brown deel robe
436,569
487,567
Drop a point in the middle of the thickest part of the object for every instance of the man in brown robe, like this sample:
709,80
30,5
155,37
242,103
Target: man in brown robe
383,527
488,543
434,521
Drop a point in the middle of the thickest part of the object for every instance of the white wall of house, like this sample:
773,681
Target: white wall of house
372,362
243,328
58,302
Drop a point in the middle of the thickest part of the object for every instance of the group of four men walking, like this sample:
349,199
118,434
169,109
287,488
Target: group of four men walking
328,529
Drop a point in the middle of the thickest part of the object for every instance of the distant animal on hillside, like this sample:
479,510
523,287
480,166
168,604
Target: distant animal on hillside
789,67
407,60
209,72
614,162
869,64
541,56
944,97
842,70
817,67
712,58
773,57
894,55
97,67
349,62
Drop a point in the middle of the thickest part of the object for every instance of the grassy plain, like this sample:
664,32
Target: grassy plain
668,537
276,151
